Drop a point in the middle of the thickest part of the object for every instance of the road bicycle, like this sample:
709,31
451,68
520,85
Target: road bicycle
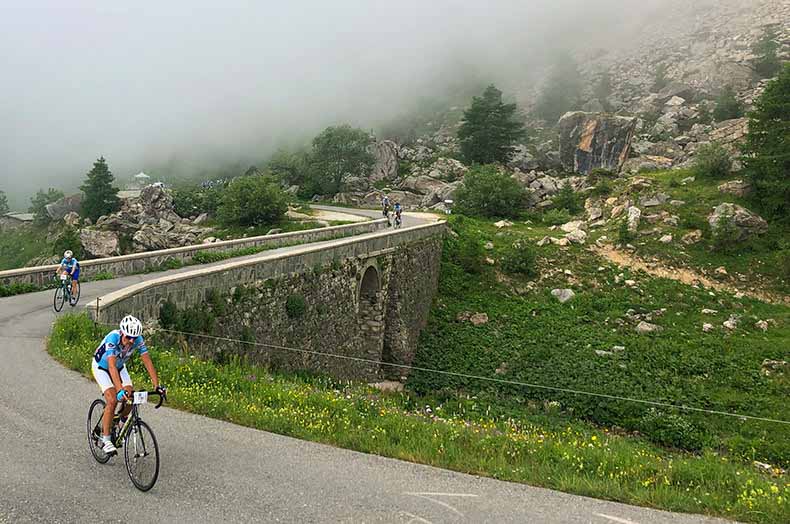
398,221
140,449
63,293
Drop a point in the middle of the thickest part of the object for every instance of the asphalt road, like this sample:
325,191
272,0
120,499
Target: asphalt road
213,471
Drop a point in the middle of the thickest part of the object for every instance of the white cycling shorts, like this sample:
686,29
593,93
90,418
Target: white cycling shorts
103,377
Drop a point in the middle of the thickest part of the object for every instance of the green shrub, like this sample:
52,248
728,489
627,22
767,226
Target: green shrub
465,247
18,288
194,200
295,306
727,106
712,161
566,198
725,235
102,275
168,315
192,320
624,235
555,217
252,201
600,174
69,239
603,188
671,430
520,259
487,192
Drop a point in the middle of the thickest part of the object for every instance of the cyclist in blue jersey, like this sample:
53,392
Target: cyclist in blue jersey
109,370
70,265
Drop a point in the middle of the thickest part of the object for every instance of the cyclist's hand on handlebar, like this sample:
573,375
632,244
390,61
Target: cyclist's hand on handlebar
161,391
122,395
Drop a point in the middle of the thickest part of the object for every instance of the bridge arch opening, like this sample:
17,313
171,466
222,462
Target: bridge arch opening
370,286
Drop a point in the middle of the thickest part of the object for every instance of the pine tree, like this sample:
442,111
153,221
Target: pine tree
767,63
489,130
3,203
727,106
767,149
101,197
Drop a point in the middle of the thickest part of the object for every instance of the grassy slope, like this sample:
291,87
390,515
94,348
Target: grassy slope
533,338
19,246
567,455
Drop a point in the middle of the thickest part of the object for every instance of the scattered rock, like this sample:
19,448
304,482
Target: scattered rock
706,311
745,222
387,385
478,319
602,353
692,237
646,327
562,242
563,295
761,324
630,283
573,226
707,328
503,223
666,239
738,188
770,367
502,369
658,199
99,244
71,219
577,236
618,349
634,214
721,271
274,231
544,241
731,323
489,245
688,180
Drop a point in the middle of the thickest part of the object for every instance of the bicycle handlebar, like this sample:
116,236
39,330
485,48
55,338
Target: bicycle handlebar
162,397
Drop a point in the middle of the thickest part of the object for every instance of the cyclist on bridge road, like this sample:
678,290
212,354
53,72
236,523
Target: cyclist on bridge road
70,265
109,370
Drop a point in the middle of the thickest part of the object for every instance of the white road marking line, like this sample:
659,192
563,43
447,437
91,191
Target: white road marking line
615,519
430,495
415,518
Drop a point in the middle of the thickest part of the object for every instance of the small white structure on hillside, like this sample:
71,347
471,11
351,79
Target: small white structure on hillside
139,181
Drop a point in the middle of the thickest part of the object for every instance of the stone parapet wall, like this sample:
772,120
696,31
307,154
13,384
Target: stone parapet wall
342,314
141,262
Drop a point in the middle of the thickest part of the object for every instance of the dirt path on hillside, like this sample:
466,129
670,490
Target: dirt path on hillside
680,274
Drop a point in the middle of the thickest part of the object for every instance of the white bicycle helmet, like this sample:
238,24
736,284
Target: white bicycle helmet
68,254
131,327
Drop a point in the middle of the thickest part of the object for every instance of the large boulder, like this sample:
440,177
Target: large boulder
63,206
156,202
592,140
745,223
99,244
386,167
730,133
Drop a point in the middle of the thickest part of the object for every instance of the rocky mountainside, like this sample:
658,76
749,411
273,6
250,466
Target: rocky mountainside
701,47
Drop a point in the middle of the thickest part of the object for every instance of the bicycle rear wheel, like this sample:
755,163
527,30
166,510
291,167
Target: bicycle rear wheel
95,444
75,297
141,453
60,298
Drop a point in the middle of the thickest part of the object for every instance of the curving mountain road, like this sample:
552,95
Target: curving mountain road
214,471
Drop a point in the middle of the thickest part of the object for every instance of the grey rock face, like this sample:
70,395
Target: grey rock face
745,222
593,140
61,207
99,244
386,167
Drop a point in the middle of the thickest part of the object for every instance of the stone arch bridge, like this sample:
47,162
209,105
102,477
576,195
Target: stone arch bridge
339,306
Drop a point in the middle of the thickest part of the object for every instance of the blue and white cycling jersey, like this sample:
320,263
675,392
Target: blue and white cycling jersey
68,264
111,346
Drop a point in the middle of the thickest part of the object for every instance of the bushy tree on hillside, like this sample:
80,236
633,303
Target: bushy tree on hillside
562,91
340,151
101,197
3,203
292,168
767,149
767,63
712,161
252,201
489,130
727,106
487,192
38,204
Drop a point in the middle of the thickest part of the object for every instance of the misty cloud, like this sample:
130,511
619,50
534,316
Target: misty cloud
192,85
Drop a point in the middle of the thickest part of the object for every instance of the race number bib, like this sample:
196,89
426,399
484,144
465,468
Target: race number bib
140,397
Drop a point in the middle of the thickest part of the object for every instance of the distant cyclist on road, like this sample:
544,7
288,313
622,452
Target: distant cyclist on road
109,370
70,266
398,210
385,207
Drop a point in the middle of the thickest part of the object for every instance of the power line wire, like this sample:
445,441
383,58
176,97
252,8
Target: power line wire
486,379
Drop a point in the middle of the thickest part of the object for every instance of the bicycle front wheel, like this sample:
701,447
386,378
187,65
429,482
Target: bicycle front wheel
141,453
95,444
60,298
